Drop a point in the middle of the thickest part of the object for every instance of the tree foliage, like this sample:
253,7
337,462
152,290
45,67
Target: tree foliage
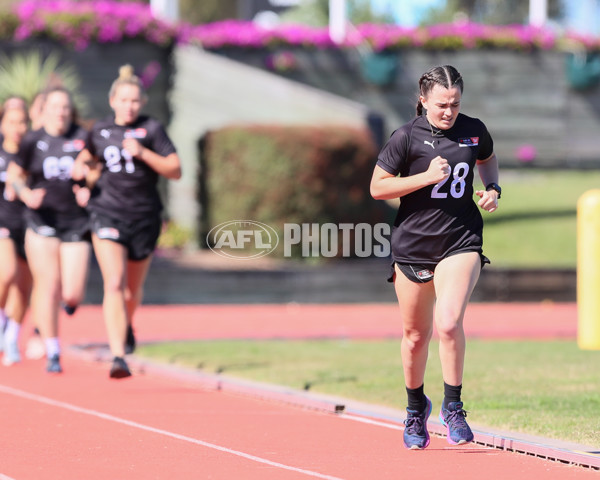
205,11
316,13
197,12
25,74
496,12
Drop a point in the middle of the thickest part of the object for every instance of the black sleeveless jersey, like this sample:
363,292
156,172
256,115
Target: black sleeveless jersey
127,188
48,161
11,212
438,220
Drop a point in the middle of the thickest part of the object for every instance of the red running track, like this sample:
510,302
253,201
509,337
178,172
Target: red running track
81,425
159,323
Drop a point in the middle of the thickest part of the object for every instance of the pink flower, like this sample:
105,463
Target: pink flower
149,74
526,153
78,23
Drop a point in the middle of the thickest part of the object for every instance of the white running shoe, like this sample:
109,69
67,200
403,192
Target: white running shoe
35,348
11,354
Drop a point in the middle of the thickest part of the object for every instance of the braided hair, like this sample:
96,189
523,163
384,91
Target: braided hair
446,76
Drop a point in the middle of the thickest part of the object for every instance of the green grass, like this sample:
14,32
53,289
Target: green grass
535,225
547,388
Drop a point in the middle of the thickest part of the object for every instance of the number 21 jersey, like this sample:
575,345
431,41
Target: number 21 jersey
127,188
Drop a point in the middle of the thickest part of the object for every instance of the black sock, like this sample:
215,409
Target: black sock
451,394
416,398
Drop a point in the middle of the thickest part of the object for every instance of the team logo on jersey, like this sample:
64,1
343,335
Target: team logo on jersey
429,143
108,233
76,145
136,133
41,145
105,133
4,233
468,142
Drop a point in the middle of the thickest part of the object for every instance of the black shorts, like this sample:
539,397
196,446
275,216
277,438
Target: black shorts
423,272
17,235
65,228
138,236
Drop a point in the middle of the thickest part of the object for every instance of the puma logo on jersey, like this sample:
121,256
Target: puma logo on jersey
105,133
429,143
41,145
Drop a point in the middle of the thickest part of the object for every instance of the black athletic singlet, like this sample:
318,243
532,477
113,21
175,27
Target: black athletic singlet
438,220
48,161
127,187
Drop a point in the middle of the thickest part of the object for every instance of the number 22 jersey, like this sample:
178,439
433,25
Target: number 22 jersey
127,187
437,220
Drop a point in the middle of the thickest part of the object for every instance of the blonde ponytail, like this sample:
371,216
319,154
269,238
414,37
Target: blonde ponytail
127,76
126,72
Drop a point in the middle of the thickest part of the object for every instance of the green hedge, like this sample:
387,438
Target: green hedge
278,175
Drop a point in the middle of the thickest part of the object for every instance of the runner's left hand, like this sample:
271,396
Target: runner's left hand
488,200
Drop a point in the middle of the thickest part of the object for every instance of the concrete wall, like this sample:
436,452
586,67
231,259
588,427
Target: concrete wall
211,91
523,97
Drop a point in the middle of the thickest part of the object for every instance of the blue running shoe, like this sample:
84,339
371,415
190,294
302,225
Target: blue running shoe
416,436
53,365
453,418
69,309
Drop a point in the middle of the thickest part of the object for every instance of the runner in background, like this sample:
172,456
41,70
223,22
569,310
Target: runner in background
57,237
129,152
35,348
15,278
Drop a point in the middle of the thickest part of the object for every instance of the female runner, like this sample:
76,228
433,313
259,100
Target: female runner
129,152
57,236
437,239
15,278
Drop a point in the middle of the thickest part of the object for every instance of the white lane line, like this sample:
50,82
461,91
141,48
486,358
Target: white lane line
140,426
370,421
5,477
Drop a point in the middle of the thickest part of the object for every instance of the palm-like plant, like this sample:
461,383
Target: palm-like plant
26,74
